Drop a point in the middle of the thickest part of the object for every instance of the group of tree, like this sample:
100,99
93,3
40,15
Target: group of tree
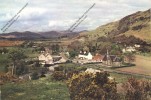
129,57
4,50
27,44
55,48
17,57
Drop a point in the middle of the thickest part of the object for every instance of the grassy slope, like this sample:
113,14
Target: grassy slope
100,31
144,33
42,89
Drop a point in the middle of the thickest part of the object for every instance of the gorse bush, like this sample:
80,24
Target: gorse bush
88,86
137,89
65,72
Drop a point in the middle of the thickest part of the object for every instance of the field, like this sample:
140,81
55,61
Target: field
7,43
143,66
42,89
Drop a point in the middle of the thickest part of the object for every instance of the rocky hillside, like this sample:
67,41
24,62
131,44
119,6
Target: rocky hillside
137,25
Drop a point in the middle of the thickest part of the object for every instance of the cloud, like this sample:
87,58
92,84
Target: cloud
46,15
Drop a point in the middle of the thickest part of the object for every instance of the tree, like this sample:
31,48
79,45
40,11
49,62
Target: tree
21,68
130,57
16,55
3,50
55,48
76,46
6,68
73,54
115,49
34,76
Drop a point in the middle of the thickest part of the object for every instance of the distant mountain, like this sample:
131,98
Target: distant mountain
40,35
21,35
137,25
56,34
50,34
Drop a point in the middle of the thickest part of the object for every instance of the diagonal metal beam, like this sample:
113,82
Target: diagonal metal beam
80,19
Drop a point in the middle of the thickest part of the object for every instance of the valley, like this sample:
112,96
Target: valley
113,59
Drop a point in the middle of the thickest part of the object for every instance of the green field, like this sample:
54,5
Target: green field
42,89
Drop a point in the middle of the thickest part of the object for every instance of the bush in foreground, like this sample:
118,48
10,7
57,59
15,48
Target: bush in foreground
137,89
88,86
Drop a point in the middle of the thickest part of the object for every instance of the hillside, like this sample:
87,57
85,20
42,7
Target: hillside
137,25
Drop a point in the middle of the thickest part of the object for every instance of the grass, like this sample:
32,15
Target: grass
121,78
29,52
42,89
143,65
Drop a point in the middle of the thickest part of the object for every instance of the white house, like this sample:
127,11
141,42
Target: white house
89,56
137,45
85,56
129,49
91,70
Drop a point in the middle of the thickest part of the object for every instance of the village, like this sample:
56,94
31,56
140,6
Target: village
85,57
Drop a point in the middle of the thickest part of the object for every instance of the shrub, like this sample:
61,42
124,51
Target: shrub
59,68
34,76
137,89
88,86
58,76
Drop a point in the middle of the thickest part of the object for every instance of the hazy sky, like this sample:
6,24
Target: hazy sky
47,15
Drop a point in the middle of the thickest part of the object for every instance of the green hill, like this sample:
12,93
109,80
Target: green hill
137,25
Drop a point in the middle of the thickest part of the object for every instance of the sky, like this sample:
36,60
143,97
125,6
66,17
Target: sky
48,15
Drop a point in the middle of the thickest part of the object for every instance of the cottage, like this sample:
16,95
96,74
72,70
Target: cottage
41,57
97,58
49,59
60,59
45,58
